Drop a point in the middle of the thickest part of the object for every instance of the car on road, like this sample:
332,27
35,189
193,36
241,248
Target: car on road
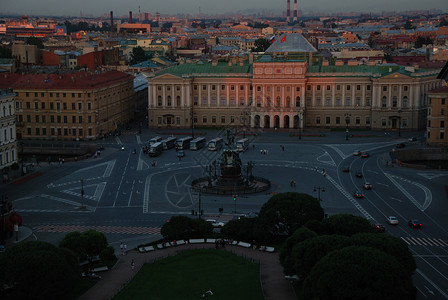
400,145
215,223
379,227
358,194
368,186
392,220
180,153
356,153
2,248
346,169
358,174
412,139
414,223
365,155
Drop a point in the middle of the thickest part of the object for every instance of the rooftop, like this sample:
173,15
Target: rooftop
291,43
206,69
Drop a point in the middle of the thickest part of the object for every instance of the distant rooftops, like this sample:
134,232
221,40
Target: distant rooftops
291,43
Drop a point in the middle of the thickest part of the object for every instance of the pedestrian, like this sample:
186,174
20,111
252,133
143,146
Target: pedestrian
283,148
261,151
121,248
124,249
267,151
253,146
132,264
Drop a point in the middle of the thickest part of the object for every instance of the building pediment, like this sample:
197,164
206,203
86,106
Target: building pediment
166,76
396,75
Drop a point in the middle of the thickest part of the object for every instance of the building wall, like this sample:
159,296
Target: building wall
285,95
8,141
50,58
437,127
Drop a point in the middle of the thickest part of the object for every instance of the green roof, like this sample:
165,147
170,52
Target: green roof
206,69
365,71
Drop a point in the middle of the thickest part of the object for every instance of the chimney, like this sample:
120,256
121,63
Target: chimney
295,11
214,63
111,21
130,17
288,11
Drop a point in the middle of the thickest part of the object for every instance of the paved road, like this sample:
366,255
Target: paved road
129,199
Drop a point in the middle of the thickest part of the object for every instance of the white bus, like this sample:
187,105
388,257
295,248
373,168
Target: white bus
183,143
155,140
242,145
197,143
155,149
169,143
215,144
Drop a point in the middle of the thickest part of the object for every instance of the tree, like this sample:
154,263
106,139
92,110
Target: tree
35,41
307,254
74,242
245,229
286,212
5,52
358,273
389,244
408,25
138,55
346,224
38,270
183,228
261,45
420,42
443,22
86,245
300,235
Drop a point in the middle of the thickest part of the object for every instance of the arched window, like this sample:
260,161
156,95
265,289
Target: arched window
268,101
394,101
384,102
288,101
277,102
159,101
297,101
169,100
178,101
405,101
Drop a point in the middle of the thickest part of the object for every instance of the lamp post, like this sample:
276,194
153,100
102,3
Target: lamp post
399,122
192,123
82,194
318,189
299,119
347,121
3,202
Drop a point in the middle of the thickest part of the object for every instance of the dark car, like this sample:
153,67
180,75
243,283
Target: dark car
358,194
412,139
346,169
365,155
379,227
414,223
181,153
368,186
400,145
358,174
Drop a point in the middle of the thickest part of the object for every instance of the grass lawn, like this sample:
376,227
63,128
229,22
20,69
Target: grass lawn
190,273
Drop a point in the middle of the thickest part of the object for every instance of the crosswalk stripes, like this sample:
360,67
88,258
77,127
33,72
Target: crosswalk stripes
103,229
425,241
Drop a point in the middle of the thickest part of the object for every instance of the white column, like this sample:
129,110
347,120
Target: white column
218,96
188,96
343,95
389,100
237,99
363,96
182,96
209,87
173,100
200,94
399,96
353,96
228,95
163,96
411,94
313,100
333,94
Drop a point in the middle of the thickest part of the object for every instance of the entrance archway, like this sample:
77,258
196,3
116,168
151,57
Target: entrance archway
276,121
286,122
257,121
266,121
296,121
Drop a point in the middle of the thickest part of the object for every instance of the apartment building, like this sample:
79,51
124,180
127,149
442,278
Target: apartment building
437,127
8,142
79,105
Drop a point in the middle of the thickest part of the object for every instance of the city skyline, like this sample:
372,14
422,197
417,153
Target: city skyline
194,7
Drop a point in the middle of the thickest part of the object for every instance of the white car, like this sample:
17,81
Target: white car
215,223
392,220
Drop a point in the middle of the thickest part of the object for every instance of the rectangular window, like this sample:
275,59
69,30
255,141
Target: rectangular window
223,119
80,119
51,94
404,123
58,106
58,118
204,87
327,120
358,87
347,101
65,131
442,124
368,87
57,95
405,88
223,87
317,101
37,118
79,105
73,119
159,120
383,122
232,119
358,101
63,95
42,105
178,120
213,119
79,95
358,120
35,95
29,130
213,100
44,119
318,87
298,89
65,119
195,120
328,101
36,105
195,100
338,120
367,101
384,88
442,111
52,131
338,87
37,131
348,87
338,101
90,131
44,131
28,118
223,101
442,135
80,131
28,105
367,120
241,87
51,119
204,119
318,120
89,105
204,101
89,118
328,87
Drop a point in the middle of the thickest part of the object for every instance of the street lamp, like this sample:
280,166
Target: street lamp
299,119
191,119
82,194
399,122
319,189
347,121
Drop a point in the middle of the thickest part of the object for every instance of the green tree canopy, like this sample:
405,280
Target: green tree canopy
300,235
306,255
138,55
86,245
358,273
5,52
346,224
389,244
38,270
286,212
182,228
35,41
261,45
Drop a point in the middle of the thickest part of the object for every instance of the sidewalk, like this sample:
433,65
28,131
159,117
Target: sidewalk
274,284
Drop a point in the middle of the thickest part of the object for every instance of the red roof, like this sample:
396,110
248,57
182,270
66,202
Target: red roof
440,90
71,81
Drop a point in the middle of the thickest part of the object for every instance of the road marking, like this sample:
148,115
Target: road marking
405,240
432,283
122,177
117,139
130,196
380,183
420,291
425,241
77,204
104,229
396,199
428,194
139,141
428,290
431,175
442,241
99,190
373,172
421,241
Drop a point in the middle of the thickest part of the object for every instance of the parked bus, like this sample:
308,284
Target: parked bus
215,144
155,140
169,143
183,143
197,143
155,149
242,145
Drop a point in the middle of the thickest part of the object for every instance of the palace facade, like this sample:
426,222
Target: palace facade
283,92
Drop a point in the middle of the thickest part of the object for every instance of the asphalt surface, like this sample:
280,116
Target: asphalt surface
129,199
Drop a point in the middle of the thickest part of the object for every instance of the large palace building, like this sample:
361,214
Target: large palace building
288,87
